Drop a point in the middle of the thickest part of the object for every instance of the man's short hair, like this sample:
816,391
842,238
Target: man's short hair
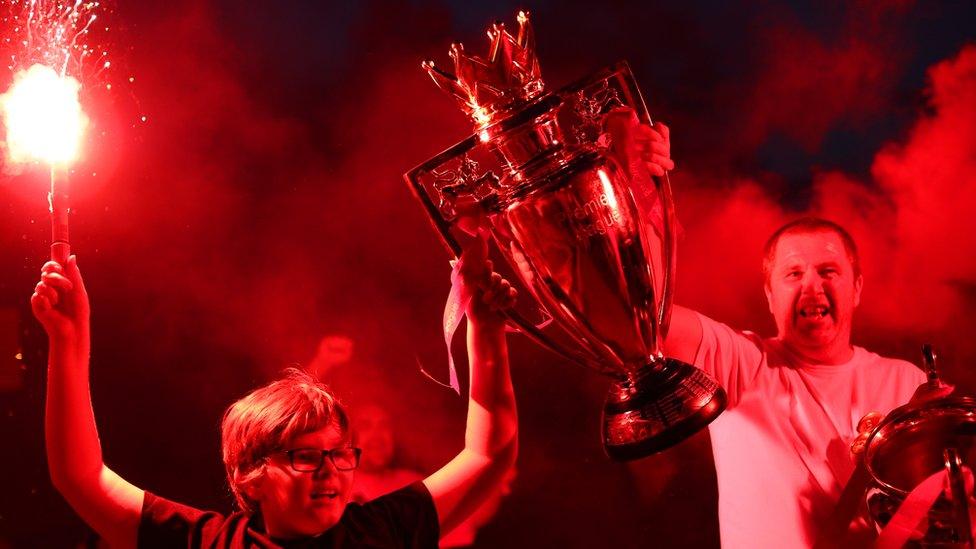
267,419
805,225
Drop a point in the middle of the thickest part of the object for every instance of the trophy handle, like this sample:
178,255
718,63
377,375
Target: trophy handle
670,251
454,248
663,184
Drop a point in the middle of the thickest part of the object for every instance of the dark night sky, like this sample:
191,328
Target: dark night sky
261,206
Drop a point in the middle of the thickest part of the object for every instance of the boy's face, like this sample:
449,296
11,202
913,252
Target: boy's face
301,504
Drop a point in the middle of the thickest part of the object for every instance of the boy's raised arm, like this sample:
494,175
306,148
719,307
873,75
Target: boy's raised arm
108,503
491,435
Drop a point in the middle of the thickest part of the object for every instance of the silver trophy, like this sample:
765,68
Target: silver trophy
590,235
910,444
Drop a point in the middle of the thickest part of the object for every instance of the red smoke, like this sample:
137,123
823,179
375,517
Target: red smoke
912,220
806,82
930,181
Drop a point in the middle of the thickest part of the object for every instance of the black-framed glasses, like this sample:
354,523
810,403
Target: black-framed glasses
310,460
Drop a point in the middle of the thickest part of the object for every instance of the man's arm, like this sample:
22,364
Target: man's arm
109,504
491,435
684,335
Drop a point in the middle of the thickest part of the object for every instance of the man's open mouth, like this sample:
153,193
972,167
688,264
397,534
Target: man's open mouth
814,312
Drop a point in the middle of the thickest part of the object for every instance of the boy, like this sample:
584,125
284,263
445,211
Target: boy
286,446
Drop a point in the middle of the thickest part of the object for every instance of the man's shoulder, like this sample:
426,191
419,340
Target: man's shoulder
872,358
888,365
722,330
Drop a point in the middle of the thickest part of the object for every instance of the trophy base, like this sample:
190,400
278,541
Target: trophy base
663,405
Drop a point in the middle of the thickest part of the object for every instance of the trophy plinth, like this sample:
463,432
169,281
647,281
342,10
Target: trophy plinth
665,405
591,239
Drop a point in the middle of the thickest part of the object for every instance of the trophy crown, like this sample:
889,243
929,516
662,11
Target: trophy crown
489,88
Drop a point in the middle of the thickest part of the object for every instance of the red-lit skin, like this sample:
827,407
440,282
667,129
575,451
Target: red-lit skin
810,271
298,504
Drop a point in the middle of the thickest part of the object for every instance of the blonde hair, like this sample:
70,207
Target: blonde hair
265,420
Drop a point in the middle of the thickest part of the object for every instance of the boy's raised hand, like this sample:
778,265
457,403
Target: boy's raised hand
60,301
493,294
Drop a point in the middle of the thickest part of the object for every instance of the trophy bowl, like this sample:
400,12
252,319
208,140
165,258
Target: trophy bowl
909,445
588,234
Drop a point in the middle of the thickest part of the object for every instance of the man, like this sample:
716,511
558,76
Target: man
380,471
287,446
782,447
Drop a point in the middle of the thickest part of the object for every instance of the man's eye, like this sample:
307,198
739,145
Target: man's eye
793,275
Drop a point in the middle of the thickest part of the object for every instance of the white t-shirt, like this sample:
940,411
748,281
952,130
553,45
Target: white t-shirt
782,448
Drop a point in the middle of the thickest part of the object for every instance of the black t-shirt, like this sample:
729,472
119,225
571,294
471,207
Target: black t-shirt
402,519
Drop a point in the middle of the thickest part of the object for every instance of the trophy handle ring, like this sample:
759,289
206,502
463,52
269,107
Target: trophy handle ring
957,487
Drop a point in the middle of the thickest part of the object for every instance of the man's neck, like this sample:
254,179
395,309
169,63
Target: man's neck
833,354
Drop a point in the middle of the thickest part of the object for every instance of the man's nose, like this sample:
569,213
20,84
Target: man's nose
812,282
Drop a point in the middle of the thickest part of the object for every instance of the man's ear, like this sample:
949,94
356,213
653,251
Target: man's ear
858,285
769,297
